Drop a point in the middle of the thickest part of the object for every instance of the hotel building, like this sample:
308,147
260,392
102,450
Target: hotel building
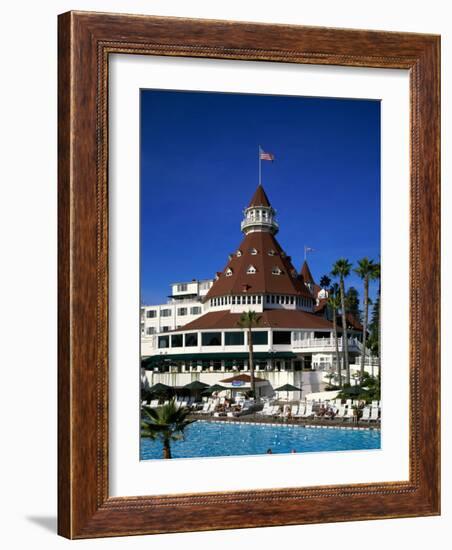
196,335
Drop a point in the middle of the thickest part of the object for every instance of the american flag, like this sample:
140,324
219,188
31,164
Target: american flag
266,156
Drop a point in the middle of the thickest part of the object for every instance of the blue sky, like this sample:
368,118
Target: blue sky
199,169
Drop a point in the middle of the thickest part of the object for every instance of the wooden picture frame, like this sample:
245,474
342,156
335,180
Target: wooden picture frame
85,508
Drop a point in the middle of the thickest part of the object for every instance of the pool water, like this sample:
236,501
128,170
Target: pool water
208,439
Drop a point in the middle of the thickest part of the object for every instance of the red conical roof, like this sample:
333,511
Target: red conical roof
259,198
261,251
307,275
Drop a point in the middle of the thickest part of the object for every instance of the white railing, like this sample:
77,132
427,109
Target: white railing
325,344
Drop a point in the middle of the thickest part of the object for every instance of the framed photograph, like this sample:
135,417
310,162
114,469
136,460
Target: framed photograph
248,275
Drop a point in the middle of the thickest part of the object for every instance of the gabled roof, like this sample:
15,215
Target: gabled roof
306,272
263,281
259,198
269,318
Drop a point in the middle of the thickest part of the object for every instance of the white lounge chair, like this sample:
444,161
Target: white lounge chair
308,413
366,414
154,403
301,410
374,414
349,414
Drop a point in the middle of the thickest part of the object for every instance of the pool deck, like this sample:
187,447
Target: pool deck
301,422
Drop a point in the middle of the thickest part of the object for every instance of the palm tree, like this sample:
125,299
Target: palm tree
366,271
248,320
325,282
166,423
376,274
342,269
334,301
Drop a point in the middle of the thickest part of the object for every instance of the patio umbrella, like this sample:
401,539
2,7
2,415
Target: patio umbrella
288,388
196,385
215,388
161,389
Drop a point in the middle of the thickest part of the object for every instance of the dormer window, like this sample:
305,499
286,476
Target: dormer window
253,252
239,253
276,271
228,272
271,252
251,270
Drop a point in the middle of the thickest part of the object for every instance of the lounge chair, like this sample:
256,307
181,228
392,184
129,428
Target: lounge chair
301,410
342,412
349,414
154,403
374,416
308,413
366,414
266,410
207,408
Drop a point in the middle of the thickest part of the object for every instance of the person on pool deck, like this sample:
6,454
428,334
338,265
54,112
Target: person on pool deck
269,452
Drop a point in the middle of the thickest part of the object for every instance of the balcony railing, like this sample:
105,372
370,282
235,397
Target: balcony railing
325,344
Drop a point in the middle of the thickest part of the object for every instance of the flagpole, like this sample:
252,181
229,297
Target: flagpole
260,164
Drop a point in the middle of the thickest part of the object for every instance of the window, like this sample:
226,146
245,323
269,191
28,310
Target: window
165,329
182,287
228,272
176,340
254,299
260,337
249,299
150,330
276,271
195,310
211,338
271,252
253,251
251,270
151,313
165,313
163,341
273,298
191,340
259,299
234,339
182,311
233,300
292,299
239,253
281,337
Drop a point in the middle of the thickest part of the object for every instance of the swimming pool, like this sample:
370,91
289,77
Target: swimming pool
208,439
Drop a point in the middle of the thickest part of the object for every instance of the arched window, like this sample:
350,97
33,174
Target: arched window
271,252
228,272
251,270
276,271
239,253
253,252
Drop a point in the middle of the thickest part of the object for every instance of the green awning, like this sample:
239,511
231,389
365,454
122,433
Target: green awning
154,360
